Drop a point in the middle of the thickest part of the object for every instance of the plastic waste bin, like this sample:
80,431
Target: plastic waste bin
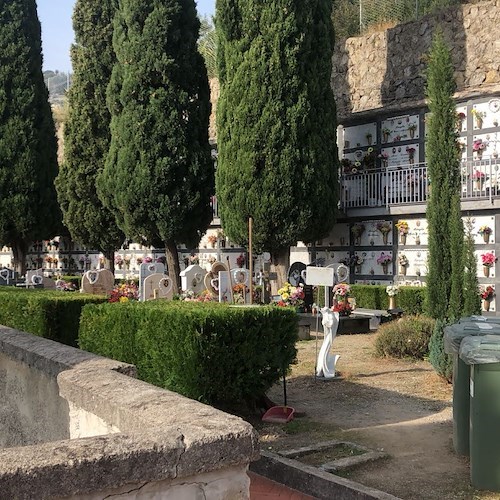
453,336
483,356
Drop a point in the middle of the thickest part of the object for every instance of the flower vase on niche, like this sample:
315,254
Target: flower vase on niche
486,271
486,304
392,302
402,239
486,237
417,240
479,184
402,270
357,269
385,237
385,268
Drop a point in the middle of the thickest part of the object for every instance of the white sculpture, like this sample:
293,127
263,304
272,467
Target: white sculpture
325,365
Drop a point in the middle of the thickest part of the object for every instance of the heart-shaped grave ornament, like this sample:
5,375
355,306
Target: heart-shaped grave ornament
36,279
5,274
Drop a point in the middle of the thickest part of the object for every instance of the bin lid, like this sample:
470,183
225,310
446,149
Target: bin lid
454,334
480,350
480,319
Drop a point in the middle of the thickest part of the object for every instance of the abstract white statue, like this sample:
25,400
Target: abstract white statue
325,365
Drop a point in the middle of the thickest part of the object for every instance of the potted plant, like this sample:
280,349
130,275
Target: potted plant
384,260
392,291
403,229
488,259
487,295
403,263
478,146
460,121
357,229
386,132
411,129
479,178
385,227
485,232
291,296
478,117
212,239
341,293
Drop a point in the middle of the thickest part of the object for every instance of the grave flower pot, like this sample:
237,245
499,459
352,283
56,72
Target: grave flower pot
479,183
486,271
402,270
402,239
486,237
392,302
486,304
385,237
385,268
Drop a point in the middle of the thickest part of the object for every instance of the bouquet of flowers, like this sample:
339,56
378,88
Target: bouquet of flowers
124,292
291,296
239,292
403,227
138,260
384,227
343,308
148,260
358,229
384,259
392,290
240,260
161,259
478,175
485,230
488,259
341,291
353,260
488,293
403,260
119,260
479,145
194,259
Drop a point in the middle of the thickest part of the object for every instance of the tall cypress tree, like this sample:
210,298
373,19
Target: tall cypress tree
28,147
86,133
276,123
446,271
472,300
158,176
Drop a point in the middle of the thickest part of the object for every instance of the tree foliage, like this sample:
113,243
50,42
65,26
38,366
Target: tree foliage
28,147
445,278
207,45
472,300
158,176
276,122
86,133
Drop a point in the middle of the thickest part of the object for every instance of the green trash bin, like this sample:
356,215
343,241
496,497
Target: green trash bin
453,336
483,356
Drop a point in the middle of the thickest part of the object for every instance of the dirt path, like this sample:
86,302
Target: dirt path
401,407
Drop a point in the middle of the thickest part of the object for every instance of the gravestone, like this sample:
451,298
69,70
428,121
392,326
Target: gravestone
98,282
241,276
8,277
265,277
147,269
212,280
48,283
192,279
157,286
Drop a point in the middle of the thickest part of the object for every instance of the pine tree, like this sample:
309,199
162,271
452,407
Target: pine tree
445,277
86,133
472,300
276,123
28,147
158,177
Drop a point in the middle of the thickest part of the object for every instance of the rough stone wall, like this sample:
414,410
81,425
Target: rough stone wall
386,69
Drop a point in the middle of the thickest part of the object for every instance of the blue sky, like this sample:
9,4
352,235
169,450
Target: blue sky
57,31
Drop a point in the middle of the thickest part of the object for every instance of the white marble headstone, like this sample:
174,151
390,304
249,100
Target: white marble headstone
146,269
157,286
192,279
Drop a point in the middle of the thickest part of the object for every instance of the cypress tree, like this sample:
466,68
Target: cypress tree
158,176
472,300
86,133
28,147
445,277
276,123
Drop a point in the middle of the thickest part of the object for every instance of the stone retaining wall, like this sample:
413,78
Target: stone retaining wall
129,438
386,69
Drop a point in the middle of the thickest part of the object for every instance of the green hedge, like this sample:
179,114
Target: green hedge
47,313
211,352
409,298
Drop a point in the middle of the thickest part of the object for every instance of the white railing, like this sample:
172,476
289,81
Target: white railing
409,184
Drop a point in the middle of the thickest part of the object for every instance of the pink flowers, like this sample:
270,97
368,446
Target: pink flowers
479,145
477,175
384,259
488,259
341,290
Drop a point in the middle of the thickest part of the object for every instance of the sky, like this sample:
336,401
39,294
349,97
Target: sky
57,30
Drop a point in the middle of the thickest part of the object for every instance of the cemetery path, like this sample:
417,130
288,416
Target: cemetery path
398,406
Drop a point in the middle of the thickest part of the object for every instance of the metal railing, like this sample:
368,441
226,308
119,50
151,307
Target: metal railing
410,184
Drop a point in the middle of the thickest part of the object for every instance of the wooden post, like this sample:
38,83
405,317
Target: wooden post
250,258
230,280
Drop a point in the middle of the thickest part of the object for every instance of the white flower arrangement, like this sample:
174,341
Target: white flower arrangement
392,290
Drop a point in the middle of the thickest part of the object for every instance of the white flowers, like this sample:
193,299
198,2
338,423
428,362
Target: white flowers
392,290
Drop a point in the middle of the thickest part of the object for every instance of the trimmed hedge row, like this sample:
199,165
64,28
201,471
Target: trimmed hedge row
47,313
210,352
409,298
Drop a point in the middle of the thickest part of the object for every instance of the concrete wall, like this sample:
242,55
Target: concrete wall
386,69
129,438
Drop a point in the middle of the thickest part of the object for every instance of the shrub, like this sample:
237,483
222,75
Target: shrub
51,314
409,298
406,338
442,362
211,352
